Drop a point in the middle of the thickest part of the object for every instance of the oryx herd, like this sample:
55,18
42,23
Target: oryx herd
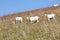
35,18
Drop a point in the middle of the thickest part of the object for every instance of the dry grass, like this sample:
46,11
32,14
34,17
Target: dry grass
43,30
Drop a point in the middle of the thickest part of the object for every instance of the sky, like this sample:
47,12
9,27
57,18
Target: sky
15,6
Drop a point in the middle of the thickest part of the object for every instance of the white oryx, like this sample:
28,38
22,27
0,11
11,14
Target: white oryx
50,16
33,19
18,19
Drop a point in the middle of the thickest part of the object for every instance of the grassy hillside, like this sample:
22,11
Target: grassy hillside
43,30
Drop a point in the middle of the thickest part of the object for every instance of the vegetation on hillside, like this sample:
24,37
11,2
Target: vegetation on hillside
43,30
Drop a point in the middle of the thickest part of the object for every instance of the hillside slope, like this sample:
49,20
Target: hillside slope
43,30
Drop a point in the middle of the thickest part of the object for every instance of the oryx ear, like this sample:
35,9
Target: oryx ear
27,17
45,14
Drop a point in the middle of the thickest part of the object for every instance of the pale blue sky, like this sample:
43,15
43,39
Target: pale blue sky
15,6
